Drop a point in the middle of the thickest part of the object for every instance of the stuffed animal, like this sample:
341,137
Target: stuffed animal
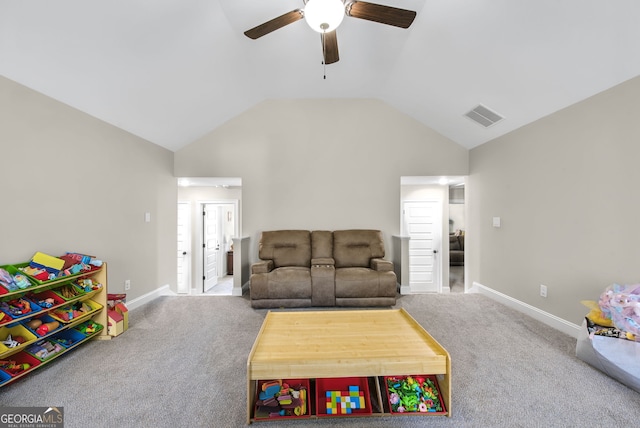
621,303
596,315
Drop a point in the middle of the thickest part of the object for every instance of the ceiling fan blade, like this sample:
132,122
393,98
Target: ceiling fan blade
274,24
330,47
383,14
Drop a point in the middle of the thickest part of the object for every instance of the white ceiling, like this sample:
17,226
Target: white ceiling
171,71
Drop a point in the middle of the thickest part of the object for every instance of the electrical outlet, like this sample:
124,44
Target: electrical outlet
543,290
127,284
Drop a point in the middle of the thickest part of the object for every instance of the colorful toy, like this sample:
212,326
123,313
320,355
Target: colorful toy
21,281
621,304
7,280
44,349
13,342
343,402
34,324
596,315
279,399
14,368
16,307
413,394
47,327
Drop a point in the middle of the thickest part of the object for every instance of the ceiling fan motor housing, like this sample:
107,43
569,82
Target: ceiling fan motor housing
324,15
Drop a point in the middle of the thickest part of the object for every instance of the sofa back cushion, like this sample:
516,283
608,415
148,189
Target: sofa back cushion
454,243
321,244
356,247
286,247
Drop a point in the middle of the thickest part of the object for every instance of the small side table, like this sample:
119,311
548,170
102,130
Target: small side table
229,262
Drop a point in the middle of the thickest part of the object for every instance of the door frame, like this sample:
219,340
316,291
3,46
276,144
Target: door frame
411,184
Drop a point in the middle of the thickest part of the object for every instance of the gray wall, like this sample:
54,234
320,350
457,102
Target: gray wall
566,188
73,183
321,164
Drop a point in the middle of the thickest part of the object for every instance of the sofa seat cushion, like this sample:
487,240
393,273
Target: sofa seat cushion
282,283
363,282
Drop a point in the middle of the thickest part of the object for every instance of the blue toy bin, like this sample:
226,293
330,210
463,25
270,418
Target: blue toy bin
4,377
68,338
34,309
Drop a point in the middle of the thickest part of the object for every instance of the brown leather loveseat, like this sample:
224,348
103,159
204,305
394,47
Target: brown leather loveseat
300,268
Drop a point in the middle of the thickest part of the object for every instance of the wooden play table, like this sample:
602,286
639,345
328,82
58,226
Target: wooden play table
350,343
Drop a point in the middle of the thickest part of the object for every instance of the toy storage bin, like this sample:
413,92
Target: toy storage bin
45,318
13,270
261,414
89,328
15,330
68,338
33,309
77,291
47,294
4,377
45,349
430,409
21,358
354,393
33,280
57,313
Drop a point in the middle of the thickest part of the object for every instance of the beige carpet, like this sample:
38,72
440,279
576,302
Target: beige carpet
183,363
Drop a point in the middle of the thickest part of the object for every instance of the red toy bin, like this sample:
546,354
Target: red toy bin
20,358
267,413
431,409
331,393
47,294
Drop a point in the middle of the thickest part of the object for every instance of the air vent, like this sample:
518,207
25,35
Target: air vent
484,116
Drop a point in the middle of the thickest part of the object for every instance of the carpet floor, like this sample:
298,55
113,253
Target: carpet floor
182,363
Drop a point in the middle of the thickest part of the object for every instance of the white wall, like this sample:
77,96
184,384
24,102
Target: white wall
70,182
321,164
566,189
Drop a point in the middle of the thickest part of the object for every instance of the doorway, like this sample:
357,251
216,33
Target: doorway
208,220
218,229
426,221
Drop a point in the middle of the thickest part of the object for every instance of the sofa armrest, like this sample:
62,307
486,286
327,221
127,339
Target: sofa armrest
262,266
381,265
323,261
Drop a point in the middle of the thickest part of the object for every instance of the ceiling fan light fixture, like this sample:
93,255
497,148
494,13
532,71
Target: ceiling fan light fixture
324,15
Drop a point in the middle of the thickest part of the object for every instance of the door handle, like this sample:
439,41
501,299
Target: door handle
184,253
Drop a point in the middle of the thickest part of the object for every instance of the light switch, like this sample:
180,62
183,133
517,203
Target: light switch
147,217
496,222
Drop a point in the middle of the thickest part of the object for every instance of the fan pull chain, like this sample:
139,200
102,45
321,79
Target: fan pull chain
324,49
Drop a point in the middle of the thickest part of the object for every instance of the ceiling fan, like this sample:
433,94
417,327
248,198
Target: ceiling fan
324,16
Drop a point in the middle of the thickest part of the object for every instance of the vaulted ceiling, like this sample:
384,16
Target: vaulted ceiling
172,71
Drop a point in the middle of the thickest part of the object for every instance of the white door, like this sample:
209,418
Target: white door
211,245
184,247
422,223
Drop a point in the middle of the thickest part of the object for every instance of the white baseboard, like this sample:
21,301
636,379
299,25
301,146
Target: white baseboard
165,290
549,319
